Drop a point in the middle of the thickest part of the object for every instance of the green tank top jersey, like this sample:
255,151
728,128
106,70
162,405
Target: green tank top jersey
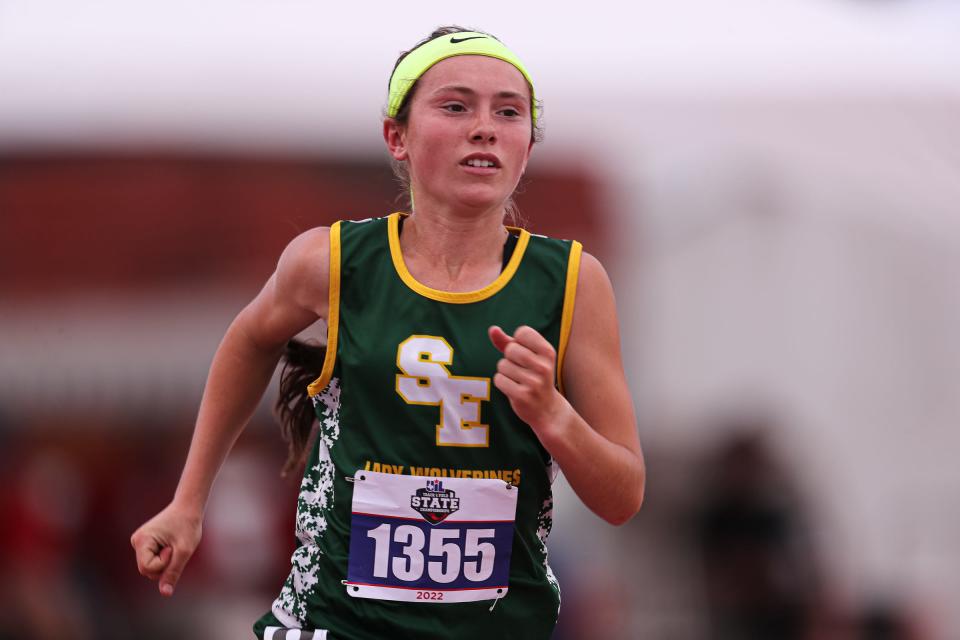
407,389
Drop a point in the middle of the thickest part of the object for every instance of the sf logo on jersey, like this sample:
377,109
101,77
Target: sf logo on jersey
427,381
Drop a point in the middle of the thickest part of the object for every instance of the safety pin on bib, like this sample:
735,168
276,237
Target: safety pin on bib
496,600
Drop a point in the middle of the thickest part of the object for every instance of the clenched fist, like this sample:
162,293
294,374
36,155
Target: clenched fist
165,543
526,375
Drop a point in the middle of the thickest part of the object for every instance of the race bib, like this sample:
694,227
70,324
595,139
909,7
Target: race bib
420,539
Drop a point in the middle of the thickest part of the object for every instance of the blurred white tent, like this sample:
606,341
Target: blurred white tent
296,74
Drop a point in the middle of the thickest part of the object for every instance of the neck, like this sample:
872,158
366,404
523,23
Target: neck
451,250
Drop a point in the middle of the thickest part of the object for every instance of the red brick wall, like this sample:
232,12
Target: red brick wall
134,222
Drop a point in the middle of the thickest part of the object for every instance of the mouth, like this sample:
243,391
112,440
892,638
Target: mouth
481,161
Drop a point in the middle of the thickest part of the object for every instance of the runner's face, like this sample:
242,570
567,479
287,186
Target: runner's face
468,138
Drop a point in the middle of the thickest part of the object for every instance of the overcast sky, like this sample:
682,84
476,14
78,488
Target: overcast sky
116,69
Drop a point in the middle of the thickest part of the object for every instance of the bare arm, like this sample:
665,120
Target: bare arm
293,298
591,433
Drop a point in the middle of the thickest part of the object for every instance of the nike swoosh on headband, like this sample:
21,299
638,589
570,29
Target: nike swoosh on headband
421,58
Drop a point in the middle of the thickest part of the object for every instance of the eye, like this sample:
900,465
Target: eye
454,107
510,112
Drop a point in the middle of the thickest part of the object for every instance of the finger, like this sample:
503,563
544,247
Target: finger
515,372
521,355
499,338
540,366
508,387
531,339
172,575
151,559
164,558
159,563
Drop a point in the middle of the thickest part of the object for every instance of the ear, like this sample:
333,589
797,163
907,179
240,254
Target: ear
527,159
395,135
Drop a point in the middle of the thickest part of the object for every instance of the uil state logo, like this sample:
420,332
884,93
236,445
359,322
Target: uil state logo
434,502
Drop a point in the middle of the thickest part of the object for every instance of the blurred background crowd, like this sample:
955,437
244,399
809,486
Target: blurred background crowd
772,186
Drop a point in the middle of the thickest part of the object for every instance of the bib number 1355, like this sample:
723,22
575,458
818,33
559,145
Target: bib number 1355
445,559
414,538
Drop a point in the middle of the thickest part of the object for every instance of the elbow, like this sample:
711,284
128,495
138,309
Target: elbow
629,506
618,519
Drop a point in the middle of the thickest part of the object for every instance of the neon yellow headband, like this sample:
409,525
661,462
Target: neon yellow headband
465,43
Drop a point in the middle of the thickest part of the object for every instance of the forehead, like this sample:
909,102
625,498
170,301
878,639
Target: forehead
483,74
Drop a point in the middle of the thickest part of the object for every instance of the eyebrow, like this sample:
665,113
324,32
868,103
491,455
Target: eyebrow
513,95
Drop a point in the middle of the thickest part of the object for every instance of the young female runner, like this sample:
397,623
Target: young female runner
465,362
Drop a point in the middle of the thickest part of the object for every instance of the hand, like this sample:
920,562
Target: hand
165,543
526,375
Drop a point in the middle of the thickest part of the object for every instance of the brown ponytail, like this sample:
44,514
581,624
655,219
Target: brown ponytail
302,364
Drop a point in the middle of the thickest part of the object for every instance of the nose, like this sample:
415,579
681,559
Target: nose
483,129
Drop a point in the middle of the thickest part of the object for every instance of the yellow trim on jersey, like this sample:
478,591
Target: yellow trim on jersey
569,298
455,297
333,315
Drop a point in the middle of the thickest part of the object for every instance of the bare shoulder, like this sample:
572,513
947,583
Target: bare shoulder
307,251
303,270
593,348
595,308
592,272
593,375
